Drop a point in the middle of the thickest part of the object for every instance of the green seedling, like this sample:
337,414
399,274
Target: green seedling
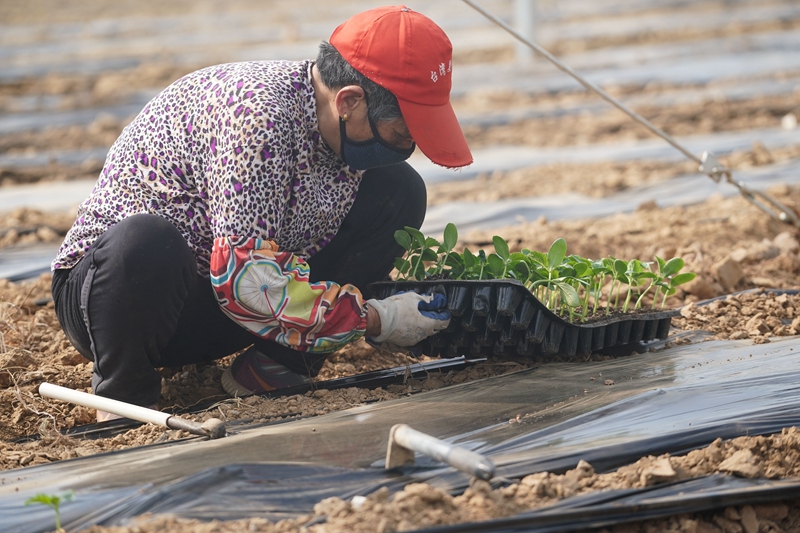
54,502
553,277
637,274
599,273
402,264
419,249
668,278
567,285
470,262
505,264
446,247
483,261
584,279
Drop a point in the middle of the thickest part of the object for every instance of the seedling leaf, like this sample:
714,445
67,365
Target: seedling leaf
450,236
403,239
557,252
539,258
568,294
680,279
496,265
402,265
430,242
417,235
566,271
523,268
469,259
501,247
429,255
581,269
672,267
454,260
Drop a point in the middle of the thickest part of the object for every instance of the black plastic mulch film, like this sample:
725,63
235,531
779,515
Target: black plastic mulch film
502,317
674,400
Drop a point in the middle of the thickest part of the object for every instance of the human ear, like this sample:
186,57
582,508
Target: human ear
349,100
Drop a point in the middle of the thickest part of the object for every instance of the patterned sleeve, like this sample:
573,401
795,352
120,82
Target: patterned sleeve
269,293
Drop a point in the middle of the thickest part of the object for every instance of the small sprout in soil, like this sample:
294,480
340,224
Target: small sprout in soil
569,285
54,502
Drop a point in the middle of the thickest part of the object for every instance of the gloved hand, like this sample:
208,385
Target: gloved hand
407,318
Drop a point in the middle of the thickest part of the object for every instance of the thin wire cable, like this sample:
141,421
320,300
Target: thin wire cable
717,172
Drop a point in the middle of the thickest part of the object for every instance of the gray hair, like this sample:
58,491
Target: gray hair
336,73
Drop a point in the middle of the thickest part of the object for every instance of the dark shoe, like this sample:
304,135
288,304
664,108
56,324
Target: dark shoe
252,372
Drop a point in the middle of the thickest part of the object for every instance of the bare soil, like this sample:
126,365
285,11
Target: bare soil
595,180
677,120
727,242
25,226
743,316
762,251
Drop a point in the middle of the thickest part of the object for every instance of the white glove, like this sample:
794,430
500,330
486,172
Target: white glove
408,318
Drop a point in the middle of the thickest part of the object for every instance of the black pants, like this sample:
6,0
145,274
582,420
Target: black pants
135,302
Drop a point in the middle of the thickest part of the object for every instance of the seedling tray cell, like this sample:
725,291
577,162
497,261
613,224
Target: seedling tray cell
612,332
523,315
502,317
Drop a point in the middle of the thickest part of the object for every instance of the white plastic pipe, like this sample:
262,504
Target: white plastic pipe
142,414
460,458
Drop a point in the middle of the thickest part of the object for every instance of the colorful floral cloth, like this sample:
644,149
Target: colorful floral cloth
233,154
268,292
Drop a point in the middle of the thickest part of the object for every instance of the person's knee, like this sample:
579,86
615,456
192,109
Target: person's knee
416,197
146,243
403,190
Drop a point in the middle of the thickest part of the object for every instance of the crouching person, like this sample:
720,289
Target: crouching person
253,204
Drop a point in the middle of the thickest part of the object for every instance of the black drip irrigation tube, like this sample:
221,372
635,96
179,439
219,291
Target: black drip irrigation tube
368,380
503,318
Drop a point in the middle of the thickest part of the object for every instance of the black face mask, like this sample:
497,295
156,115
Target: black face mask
372,153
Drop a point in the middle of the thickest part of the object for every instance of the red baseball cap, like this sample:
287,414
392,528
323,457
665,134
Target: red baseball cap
408,54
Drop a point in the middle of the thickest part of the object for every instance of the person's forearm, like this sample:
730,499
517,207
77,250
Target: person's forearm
268,293
373,322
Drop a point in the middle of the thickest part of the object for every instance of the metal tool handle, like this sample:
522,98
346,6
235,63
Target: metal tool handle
460,458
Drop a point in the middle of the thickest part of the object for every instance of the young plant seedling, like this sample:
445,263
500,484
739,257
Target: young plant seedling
667,279
419,249
470,263
637,273
559,291
449,241
567,285
54,502
402,264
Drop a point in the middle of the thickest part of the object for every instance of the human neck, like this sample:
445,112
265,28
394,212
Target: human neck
327,117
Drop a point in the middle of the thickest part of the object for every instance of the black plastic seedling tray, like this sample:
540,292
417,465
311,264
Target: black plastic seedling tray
502,317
